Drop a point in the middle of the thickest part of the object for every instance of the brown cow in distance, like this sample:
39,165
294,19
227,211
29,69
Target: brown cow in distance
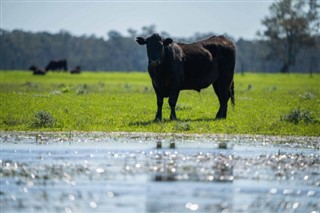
37,70
76,70
177,66
57,65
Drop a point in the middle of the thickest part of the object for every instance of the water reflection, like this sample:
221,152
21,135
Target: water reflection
204,167
190,181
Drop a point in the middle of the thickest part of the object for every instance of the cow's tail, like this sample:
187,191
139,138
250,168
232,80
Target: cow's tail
232,94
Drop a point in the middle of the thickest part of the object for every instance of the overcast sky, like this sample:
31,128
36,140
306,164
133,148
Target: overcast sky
238,18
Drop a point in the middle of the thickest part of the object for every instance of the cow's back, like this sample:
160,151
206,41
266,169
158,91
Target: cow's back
205,60
223,49
219,46
224,52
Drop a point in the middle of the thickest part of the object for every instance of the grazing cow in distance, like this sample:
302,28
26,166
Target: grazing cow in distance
37,70
177,66
76,70
57,65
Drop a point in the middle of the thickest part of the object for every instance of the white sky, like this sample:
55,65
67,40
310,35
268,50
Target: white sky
238,18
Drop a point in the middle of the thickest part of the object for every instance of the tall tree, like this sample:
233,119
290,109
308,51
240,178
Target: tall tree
291,25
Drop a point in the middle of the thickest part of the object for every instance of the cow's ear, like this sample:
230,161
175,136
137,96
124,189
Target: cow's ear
167,41
140,40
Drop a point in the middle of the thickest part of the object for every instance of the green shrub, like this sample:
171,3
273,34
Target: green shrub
296,115
10,121
182,126
308,96
65,90
83,89
42,119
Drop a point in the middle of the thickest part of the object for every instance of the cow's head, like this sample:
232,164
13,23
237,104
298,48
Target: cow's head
155,47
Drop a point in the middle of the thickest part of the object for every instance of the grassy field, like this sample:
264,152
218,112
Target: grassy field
273,104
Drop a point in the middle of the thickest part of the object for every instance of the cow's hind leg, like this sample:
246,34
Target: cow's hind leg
222,89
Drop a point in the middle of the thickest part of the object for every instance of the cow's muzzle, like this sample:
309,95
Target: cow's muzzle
154,62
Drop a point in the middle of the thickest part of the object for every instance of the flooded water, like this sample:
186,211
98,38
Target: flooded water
136,172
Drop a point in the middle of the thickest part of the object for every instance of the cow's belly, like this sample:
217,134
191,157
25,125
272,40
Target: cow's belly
199,79
198,86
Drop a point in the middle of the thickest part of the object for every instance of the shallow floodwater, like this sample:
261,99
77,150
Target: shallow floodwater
111,172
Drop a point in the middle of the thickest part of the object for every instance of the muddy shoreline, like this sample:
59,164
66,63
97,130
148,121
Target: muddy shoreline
293,141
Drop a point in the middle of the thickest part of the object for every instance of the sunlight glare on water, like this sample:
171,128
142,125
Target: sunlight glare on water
98,172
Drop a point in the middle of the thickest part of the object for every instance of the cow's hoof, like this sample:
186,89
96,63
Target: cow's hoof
157,120
173,118
220,118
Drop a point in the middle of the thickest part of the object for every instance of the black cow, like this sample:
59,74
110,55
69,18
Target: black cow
177,66
37,70
76,70
57,65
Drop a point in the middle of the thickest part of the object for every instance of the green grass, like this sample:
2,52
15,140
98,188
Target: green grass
274,104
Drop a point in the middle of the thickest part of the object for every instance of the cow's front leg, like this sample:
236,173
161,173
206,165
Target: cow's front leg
159,111
173,98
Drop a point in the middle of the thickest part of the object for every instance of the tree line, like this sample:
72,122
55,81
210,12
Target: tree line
20,50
